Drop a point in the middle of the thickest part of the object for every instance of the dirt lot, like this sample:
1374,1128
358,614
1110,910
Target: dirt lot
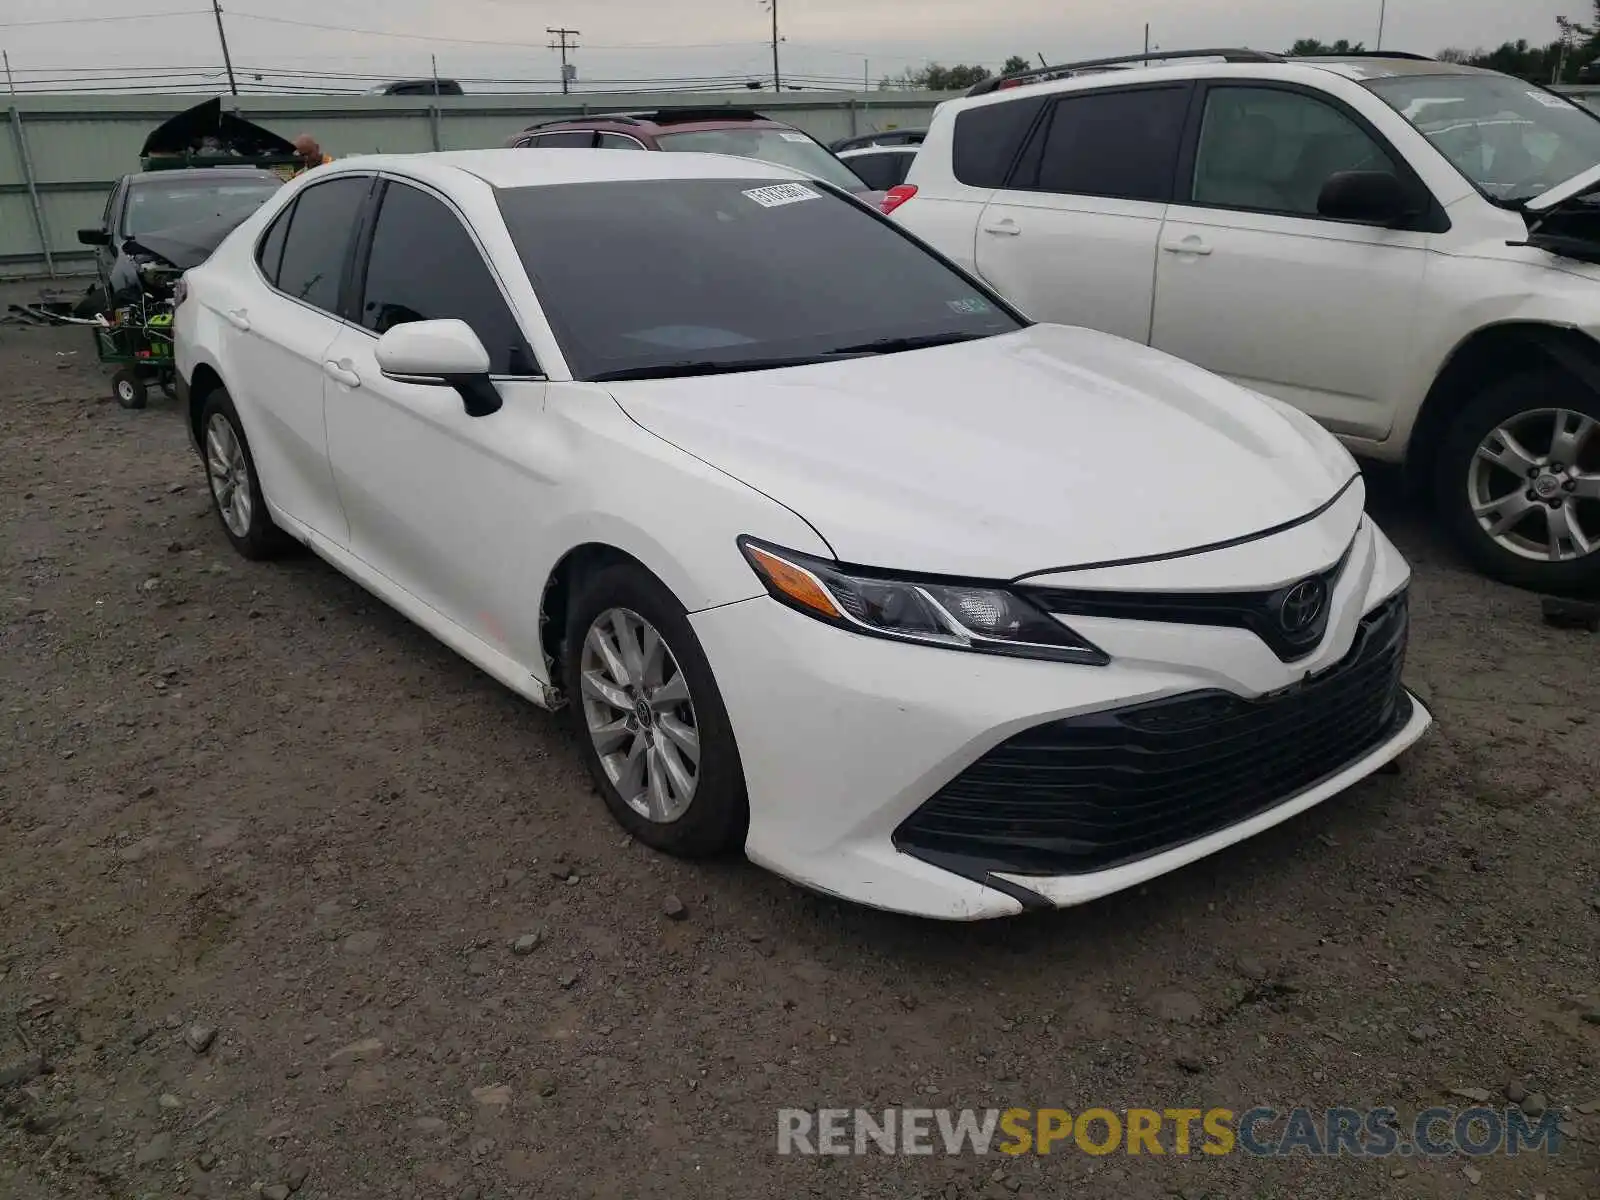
251,804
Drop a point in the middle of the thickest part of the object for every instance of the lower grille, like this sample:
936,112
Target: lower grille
1106,788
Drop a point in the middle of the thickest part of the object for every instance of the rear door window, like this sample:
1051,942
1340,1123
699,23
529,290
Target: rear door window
1120,145
619,141
317,247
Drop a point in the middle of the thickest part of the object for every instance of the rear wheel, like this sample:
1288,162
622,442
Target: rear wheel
235,486
1518,482
650,720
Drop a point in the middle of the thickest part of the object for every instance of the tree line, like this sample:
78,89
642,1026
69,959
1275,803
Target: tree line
1553,62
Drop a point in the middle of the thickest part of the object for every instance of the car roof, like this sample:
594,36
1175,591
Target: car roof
180,174
514,168
1362,66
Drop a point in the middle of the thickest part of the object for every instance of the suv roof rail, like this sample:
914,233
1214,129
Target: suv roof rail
620,118
1059,70
1405,54
662,116
672,116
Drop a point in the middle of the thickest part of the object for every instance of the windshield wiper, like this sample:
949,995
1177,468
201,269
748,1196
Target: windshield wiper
720,366
897,345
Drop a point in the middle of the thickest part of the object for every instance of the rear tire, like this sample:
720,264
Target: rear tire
235,485
1517,482
650,720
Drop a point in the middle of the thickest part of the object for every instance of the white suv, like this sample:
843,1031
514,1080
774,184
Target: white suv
1405,249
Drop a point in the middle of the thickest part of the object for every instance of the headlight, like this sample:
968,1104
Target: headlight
956,615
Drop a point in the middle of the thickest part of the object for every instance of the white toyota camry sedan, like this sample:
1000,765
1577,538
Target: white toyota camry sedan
831,554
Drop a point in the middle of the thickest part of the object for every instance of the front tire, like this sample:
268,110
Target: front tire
235,485
1517,482
650,720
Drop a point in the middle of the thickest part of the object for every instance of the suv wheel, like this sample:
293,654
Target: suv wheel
1518,482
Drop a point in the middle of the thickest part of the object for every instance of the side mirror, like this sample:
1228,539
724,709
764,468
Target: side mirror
441,354
1371,197
94,237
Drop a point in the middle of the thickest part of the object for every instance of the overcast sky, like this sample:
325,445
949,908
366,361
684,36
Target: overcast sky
639,39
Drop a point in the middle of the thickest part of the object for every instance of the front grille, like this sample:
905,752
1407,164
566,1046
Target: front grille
1106,788
1262,613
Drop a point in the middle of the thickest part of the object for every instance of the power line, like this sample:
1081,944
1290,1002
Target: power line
499,43
187,12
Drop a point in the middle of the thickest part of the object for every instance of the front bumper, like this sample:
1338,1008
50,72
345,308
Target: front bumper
847,742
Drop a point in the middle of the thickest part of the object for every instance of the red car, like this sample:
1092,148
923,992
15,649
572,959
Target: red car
740,132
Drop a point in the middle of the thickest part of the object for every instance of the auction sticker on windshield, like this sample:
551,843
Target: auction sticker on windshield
792,137
781,193
1549,101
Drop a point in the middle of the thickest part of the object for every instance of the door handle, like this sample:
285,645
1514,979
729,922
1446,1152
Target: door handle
238,318
1189,245
1005,227
341,372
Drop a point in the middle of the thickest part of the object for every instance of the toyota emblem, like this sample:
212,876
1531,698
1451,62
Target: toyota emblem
1302,605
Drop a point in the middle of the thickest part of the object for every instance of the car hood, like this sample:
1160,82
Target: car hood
1049,447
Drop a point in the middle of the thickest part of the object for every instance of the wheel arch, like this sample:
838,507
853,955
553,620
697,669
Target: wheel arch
556,595
1481,359
204,380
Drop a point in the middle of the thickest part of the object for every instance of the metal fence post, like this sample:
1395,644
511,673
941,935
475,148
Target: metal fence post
26,160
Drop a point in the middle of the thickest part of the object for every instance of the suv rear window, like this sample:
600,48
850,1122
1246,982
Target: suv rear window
987,139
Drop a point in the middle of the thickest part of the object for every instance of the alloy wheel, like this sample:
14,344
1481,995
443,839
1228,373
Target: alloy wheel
640,715
1534,485
229,473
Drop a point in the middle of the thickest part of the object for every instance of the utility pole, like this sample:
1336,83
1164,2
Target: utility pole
227,60
563,45
777,78
1147,39
1383,6
10,82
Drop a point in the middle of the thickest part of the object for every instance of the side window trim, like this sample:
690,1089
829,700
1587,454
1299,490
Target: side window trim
1434,220
1040,132
358,277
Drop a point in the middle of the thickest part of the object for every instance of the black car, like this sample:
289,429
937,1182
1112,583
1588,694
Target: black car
161,204
418,87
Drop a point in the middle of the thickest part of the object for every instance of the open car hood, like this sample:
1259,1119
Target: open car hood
184,133
188,245
1583,181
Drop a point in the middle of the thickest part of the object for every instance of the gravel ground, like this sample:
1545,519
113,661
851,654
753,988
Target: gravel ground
267,848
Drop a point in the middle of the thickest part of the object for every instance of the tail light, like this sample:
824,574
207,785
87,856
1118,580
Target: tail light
896,196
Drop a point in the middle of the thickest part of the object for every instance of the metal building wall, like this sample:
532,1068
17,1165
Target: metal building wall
61,154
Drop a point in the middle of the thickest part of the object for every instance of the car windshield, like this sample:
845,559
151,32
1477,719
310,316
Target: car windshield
689,276
161,204
785,147
1511,139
